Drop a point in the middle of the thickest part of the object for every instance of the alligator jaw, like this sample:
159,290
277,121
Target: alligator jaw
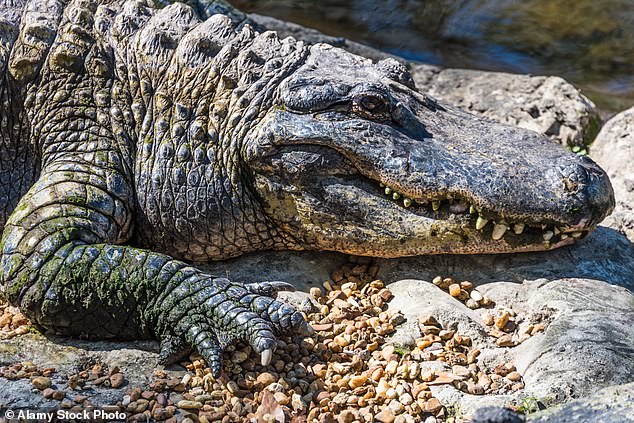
510,233
353,161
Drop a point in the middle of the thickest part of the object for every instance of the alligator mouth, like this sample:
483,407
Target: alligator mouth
489,223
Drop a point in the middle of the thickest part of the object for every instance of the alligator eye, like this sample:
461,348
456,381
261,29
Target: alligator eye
371,106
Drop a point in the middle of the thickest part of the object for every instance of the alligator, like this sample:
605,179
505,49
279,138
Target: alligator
138,142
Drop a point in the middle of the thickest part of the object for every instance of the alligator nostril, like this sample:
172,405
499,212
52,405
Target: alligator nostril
571,186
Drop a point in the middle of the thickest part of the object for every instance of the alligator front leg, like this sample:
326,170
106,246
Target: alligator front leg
61,265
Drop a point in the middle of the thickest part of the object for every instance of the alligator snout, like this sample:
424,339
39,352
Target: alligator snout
589,184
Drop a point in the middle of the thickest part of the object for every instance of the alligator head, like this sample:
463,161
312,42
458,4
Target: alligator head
353,159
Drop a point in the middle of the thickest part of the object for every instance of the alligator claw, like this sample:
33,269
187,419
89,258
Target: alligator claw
267,355
222,313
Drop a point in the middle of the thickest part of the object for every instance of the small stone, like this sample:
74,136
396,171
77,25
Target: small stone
239,357
385,416
505,341
437,280
281,398
461,371
501,321
297,403
117,380
446,335
514,377
322,328
265,379
41,382
315,292
48,392
472,304
466,285
432,405
357,381
427,320
454,290
59,395
474,388
476,295
488,319
426,330
346,416
406,399
189,405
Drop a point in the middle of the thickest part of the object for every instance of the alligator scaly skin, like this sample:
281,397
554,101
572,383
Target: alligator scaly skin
101,91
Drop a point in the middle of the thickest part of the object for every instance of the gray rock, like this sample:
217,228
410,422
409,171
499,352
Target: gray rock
614,404
613,149
545,104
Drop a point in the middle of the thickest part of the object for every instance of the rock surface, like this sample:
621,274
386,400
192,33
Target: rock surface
614,404
613,149
545,104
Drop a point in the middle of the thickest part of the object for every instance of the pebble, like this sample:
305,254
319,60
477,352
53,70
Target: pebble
357,381
239,357
265,379
117,380
315,292
514,376
454,290
472,304
476,295
346,416
432,405
385,416
505,341
41,382
189,405
501,321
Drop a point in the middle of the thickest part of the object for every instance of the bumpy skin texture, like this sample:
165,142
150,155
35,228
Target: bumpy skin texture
127,127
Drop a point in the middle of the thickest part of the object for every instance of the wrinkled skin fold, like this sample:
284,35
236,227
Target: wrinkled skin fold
137,140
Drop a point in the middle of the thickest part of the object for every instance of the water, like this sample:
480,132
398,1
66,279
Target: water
588,42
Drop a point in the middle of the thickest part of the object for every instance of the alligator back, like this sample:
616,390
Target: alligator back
18,164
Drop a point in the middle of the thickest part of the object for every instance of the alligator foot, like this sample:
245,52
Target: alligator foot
214,313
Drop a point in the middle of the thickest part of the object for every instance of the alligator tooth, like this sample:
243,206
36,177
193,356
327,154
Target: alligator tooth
266,357
388,190
498,231
518,228
396,196
435,205
381,184
407,202
472,210
576,234
548,235
556,231
481,222
564,236
544,227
